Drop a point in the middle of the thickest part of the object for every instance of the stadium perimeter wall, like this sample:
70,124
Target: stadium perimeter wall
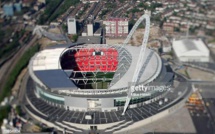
156,117
133,126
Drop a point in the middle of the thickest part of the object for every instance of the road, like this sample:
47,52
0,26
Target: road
6,69
22,88
208,96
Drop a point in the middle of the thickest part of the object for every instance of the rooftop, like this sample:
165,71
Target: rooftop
89,39
188,47
151,71
46,66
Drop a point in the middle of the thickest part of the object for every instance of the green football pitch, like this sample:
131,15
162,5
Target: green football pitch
96,83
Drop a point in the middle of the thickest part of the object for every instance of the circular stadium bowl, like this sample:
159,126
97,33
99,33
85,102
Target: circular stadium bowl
86,85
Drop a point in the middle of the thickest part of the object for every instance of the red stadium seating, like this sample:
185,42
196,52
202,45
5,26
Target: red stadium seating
83,60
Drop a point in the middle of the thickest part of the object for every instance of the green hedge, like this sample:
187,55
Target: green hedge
50,8
21,64
18,110
4,111
63,8
8,48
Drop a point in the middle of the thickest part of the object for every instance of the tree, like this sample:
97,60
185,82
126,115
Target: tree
121,1
75,37
134,10
131,24
174,13
2,33
176,29
192,30
64,27
156,18
42,19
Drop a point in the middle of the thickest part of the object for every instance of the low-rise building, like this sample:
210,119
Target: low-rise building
166,47
168,28
42,1
187,50
27,3
89,1
167,13
184,28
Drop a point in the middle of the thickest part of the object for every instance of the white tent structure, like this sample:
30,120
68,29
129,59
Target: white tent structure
191,50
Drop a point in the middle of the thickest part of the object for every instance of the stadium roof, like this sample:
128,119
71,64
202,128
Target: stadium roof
150,72
55,79
188,47
47,69
48,59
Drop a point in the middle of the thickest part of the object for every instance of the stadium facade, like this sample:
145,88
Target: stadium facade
81,87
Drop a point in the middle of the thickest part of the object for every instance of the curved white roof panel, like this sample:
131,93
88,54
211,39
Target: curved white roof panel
47,59
151,71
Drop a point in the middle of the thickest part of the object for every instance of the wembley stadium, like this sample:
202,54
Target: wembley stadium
87,87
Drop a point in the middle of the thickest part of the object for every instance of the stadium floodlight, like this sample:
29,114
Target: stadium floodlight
141,55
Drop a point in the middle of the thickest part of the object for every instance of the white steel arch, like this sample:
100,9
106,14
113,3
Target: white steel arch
141,56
